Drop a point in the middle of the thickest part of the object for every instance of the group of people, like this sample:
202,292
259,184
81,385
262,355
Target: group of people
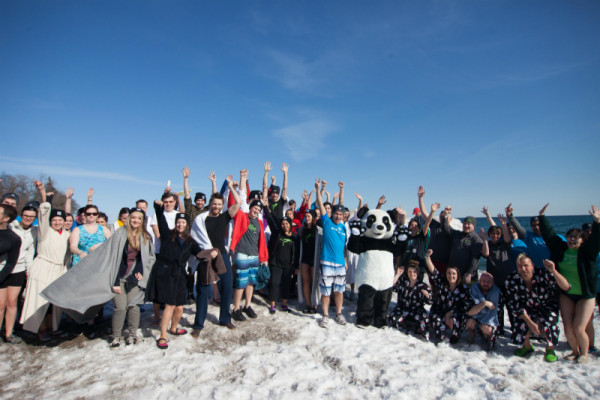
237,241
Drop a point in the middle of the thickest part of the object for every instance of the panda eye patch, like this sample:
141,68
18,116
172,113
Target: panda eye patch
371,220
386,222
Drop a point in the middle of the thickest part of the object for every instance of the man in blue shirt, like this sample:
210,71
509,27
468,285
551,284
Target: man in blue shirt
485,311
333,259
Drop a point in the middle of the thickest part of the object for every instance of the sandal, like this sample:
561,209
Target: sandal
178,332
571,357
162,344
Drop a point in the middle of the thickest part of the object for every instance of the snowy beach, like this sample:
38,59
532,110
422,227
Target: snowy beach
287,355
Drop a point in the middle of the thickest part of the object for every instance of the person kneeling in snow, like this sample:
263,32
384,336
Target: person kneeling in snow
484,314
412,297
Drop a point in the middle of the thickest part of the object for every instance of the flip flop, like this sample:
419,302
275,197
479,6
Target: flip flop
162,344
178,332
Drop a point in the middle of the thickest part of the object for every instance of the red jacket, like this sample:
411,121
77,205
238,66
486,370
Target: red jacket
240,226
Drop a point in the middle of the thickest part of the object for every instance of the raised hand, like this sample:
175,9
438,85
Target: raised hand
400,211
341,184
435,207
186,172
550,266
502,219
421,191
482,233
212,177
381,200
90,193
38,185
543,210
267,166
595,213
485,210
358,196
273,179
244,174
229,178
429,253
509,210
69,193
317,183
324,183
284,168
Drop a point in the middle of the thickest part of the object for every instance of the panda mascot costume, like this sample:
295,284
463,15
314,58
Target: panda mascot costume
375,240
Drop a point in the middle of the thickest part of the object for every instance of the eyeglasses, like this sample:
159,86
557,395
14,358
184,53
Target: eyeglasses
28,216
88,214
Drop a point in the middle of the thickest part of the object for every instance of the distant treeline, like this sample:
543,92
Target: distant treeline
24,187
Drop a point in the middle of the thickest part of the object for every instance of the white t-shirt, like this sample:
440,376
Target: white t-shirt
170,217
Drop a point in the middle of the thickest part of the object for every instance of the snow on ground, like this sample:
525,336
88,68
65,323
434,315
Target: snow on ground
287,355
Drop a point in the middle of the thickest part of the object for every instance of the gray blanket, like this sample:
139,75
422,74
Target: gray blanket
85,288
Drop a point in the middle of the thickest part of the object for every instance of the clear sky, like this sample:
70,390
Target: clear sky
482,102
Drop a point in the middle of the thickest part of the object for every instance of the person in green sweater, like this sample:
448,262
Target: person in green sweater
576,261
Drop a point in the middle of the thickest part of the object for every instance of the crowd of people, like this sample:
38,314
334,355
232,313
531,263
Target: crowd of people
237,242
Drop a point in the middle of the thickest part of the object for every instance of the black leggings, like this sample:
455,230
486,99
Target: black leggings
281,278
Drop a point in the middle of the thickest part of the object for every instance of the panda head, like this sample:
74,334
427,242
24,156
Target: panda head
377,224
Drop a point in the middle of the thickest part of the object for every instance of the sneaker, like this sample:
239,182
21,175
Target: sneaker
454,339
237,315
313,310
306,310
131,340
323,322
115,343
524,351
250,312
12,339
592,350
285,309
340,319
550,356
272,310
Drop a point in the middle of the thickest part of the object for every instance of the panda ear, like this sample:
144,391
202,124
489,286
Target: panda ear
362,212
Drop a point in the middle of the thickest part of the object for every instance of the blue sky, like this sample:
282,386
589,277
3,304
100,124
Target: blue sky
481,102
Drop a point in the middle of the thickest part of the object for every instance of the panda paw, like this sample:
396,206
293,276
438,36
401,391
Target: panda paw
401,234
356,227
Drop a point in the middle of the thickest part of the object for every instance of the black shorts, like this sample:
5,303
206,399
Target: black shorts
14,280
574,297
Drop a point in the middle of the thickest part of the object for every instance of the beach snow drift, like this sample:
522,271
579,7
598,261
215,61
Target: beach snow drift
286,355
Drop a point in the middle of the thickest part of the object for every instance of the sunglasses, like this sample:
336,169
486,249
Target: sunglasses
88,214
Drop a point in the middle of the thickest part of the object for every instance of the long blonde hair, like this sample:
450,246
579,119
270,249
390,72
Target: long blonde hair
134,233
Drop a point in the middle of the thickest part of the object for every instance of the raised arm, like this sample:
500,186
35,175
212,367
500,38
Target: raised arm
68,200
284,168
341,185
446,221
266,177
434,208
505,232
336,196
485,249
561,281
422,207
401,215
319,197
90,196
360,201
489,218
511,218
428,262
380,202
186,187
42,189
233,210
213,180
